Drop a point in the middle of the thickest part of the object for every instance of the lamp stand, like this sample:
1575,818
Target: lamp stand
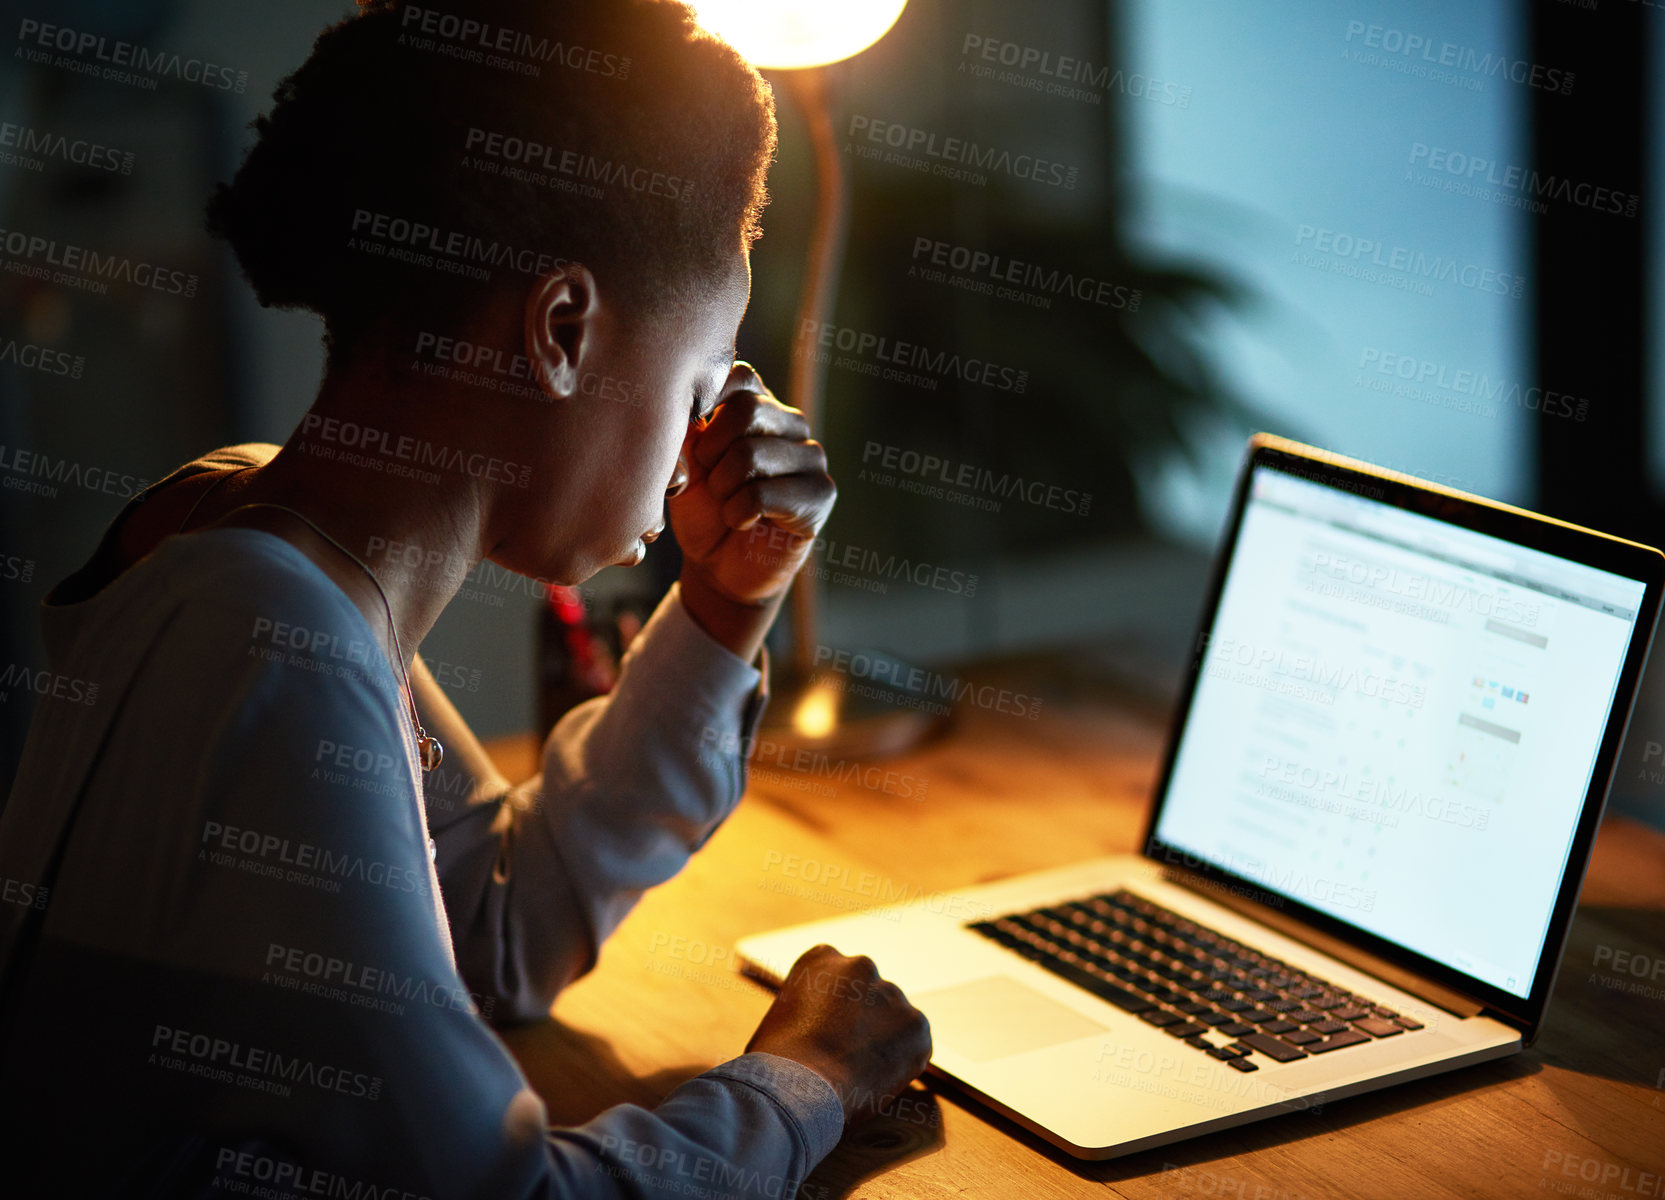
814,710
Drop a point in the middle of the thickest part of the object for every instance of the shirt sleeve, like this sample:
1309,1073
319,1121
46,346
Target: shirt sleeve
632,784
751,1127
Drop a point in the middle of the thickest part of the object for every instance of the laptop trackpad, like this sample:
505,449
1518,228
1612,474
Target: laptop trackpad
998,1017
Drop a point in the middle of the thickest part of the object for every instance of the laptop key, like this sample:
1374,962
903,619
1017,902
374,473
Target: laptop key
1347,1037
1376,1027
1241,1064
1237,1029
1300,1037
1274,1048
1258,1017
1215,1018
1278,1027
1161,1016
1327,1027
1407,1023
1189,1029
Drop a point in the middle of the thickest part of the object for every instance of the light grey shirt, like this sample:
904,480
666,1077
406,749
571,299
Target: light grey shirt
230,961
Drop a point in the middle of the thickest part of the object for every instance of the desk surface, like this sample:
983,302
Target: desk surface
1580,1113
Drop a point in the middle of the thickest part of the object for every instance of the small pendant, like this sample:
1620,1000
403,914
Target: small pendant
431,752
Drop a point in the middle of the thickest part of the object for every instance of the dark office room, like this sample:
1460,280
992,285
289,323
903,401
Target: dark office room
787,600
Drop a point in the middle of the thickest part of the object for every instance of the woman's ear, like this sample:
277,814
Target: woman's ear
560,317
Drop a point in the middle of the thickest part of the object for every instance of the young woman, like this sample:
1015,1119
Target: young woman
242,951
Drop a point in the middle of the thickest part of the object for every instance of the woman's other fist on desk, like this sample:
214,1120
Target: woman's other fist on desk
837,1016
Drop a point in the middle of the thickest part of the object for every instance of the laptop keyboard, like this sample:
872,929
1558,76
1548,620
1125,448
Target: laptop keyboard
1218,995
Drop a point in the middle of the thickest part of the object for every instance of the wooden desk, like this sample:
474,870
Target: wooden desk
1570,1116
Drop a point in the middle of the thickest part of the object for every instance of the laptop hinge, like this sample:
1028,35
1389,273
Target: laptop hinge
1453,1002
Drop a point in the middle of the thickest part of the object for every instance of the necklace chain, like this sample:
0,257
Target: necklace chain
429,750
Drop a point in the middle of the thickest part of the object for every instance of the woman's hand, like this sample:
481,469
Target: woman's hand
758,492
836,1016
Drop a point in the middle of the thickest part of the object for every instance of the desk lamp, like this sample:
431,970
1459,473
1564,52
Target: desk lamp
796,40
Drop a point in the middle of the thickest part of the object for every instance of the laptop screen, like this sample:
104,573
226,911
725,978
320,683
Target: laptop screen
1396,721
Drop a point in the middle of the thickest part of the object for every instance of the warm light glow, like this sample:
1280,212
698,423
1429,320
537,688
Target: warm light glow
817,713
784,34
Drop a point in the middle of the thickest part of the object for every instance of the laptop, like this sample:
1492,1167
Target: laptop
1389,760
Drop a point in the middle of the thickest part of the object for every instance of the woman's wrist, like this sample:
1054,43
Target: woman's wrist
737,625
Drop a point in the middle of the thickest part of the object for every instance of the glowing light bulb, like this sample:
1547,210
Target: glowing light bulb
789,34
817,713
